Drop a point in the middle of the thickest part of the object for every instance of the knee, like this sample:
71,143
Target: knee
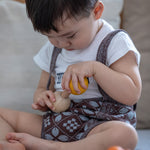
126,134
1,112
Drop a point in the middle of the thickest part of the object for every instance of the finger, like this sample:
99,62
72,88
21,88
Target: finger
41,101
66,80
75,83
34,106
51,96
63,81
45,102
37,107
82,83
48,103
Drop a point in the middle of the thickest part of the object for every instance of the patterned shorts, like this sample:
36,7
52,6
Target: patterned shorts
82,116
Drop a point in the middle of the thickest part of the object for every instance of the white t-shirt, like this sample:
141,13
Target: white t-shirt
119,46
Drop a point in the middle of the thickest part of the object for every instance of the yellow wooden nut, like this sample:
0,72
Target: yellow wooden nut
82,90
115,148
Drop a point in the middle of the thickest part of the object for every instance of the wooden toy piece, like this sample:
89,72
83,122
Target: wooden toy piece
80,88
62,102
115,148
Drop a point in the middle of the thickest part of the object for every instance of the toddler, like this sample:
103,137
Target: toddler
80,44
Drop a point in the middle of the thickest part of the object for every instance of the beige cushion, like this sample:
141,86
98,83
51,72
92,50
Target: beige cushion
18,44
112,10
136,20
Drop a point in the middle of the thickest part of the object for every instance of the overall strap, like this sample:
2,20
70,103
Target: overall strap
55,53
102,56
102,50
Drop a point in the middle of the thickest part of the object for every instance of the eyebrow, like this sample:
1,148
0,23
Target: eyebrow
66,34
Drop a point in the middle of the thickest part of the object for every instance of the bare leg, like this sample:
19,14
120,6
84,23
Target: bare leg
32,142
15,121
21,122
100,138
3,143
11,146
4,128
106,135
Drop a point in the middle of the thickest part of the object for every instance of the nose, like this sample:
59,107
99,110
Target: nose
61,43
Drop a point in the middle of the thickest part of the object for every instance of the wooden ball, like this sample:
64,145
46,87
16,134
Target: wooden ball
82,90
115,148
61,104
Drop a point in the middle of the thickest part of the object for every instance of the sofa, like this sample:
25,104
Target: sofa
19,43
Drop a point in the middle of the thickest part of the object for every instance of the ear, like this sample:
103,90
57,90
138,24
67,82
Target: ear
98,10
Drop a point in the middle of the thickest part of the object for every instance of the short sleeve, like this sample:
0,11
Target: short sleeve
43,57
120,45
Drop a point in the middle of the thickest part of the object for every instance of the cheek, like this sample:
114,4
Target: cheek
81,42
53,42
85,41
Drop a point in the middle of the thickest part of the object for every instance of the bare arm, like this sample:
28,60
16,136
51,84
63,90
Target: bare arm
122,80
42,96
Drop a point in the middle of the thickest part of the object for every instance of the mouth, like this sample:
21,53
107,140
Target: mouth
69,49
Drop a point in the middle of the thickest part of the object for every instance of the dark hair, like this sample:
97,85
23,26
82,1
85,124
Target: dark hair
45,13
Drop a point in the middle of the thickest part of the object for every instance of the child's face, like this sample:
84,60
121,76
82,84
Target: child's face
74,34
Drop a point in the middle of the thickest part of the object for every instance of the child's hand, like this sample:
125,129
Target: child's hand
76,73
44,101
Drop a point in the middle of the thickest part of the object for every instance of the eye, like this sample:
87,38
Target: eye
72,36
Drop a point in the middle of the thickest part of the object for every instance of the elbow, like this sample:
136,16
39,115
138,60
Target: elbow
132,100
133,97
134,94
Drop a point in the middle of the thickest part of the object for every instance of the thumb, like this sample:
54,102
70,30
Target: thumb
34,106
